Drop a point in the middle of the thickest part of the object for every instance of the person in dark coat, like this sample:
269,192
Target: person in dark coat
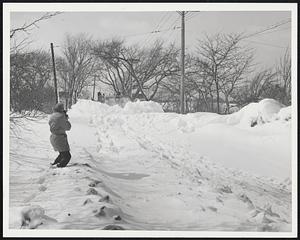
59,124
99,96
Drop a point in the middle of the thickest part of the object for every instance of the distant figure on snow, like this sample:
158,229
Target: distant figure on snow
59,124
99,96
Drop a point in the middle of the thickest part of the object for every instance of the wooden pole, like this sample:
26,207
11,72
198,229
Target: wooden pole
182,103
66,96
94,87
54,73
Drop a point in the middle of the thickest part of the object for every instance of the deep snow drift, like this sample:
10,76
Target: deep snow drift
140,168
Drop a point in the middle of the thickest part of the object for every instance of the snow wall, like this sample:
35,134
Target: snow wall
265,111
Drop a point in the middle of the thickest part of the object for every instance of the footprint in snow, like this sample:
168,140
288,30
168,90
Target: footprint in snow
101,212
244,198
80,164
224,189
98,148
218,199
41,180
87,201
94,183
105,199
113,227
34,216
114,213
42,188
214,209
92,191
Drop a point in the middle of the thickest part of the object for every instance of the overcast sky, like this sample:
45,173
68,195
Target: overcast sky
136,27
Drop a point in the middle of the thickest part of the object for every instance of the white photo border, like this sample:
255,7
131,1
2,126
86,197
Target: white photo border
115,7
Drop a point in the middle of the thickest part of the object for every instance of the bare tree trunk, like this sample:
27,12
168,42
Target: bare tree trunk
71,99
217,89
75,97
227,104
198,101
212,103
186,105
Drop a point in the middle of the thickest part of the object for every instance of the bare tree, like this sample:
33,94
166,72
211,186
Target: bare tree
269,83
256,89
225,62
155,65
201,82
20,43
234,73
29,92
29,72
111,69
284,78
133,71
27,27
199,88
76,67
168,93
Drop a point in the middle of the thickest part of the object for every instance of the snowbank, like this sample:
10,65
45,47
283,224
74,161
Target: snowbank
285,114
256,113
143,107
84,108
265,111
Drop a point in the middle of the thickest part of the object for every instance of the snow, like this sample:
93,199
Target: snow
138,168
84,107
143,107
285,114
256,113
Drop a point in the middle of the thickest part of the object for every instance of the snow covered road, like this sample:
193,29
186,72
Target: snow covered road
147,170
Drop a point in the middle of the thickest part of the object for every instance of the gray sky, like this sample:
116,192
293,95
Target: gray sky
135,27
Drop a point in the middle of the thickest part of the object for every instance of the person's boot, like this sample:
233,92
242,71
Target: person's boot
62,164
56,161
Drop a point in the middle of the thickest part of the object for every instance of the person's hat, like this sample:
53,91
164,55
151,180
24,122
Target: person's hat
59,107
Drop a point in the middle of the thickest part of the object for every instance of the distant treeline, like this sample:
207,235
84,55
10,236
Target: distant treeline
218,75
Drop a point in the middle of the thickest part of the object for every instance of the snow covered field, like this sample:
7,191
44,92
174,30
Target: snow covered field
138,168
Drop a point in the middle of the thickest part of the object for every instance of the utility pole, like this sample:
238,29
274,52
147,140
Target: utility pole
94,87
182,63
66,95
54,72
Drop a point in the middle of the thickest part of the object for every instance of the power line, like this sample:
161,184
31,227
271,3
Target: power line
173,25
192,15
160,25
156,26
146,33
278,30
267,29
266,44
147,42
162,20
